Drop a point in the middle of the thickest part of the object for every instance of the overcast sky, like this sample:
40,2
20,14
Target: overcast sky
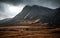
10,8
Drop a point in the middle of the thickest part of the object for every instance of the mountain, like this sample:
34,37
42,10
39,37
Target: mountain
35,12
46,15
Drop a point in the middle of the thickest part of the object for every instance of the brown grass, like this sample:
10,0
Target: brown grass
22,32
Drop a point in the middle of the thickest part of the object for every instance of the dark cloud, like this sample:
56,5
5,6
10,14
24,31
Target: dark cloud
15,2
1,7
46,3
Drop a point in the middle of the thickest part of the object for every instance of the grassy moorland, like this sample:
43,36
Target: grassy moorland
33,31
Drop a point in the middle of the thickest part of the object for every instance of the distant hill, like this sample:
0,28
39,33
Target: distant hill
5,20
